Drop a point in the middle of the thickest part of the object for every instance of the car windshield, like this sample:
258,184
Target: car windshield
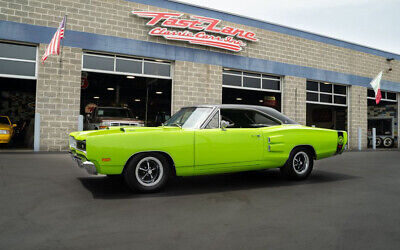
4,120
114,112
189,117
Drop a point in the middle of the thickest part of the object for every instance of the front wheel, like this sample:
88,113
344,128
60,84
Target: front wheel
147,172
299,165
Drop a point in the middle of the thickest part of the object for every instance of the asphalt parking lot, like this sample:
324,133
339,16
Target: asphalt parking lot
351,201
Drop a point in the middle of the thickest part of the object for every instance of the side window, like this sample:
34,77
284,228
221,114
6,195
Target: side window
260,120
214,122
246,119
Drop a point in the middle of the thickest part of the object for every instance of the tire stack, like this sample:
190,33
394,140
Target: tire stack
385,142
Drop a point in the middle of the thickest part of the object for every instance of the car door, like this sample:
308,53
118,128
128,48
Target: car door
239,145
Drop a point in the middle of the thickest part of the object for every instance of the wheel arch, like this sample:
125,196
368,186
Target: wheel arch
308,147
163,153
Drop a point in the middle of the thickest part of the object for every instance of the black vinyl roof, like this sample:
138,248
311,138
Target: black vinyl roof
266,110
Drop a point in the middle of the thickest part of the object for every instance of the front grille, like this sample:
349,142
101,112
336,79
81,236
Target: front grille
81,145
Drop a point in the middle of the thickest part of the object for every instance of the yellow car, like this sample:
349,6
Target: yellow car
6,129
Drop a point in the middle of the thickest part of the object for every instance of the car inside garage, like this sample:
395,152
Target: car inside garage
17,94
124,91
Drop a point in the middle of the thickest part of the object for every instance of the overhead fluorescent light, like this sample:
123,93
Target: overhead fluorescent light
110,88
96,97
137,100
260,100
238,99
159,60
159,92
130,77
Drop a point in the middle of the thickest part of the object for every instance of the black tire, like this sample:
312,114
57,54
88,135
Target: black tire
113,176
388,142
378,142
138,173
294,171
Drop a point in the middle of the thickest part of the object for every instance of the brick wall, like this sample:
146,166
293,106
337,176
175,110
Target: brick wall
112,17
196,83
358,116
294,98
58,98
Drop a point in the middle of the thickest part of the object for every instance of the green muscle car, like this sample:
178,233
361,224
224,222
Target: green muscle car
205,139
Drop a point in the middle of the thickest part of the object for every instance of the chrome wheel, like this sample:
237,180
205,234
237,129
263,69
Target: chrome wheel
378,142
149,171
301,162
387,142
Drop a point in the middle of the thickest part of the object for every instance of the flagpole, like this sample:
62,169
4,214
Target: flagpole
62,40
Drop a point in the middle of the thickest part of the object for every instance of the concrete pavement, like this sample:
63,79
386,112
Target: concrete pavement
349,202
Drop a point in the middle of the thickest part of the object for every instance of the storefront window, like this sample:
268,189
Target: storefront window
251,80
18,61
125,65
326,93
130,66
98,62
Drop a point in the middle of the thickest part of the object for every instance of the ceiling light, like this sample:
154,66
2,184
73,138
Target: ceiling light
110,88
158,60
238,99
260,100
130,77
137,100
159,92
96,97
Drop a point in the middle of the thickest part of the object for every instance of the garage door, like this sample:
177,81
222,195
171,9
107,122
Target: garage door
326,105
18,73
121,65
18,61
251,88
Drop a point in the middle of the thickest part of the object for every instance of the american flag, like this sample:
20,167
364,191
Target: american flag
54,46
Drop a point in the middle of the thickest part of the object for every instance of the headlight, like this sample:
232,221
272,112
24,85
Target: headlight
81,145
4,132
72,142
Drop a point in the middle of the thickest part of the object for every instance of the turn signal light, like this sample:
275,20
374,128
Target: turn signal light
106,159
103,127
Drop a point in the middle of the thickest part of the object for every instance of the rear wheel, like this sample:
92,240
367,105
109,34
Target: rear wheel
299,165
147,172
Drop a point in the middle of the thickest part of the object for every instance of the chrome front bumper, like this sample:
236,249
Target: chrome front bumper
87,165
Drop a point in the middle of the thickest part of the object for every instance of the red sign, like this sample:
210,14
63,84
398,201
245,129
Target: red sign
225,37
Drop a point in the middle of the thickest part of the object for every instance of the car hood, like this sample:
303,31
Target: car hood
115,130
5,126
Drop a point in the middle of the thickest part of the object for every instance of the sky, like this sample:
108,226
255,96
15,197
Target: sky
372,23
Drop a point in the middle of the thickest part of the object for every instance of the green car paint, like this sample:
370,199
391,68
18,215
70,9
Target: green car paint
206,151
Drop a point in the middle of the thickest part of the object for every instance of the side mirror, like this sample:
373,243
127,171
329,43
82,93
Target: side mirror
224,124
14,125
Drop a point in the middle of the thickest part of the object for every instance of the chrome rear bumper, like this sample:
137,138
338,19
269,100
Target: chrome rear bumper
87,165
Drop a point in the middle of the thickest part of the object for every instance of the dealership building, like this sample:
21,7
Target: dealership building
156,56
